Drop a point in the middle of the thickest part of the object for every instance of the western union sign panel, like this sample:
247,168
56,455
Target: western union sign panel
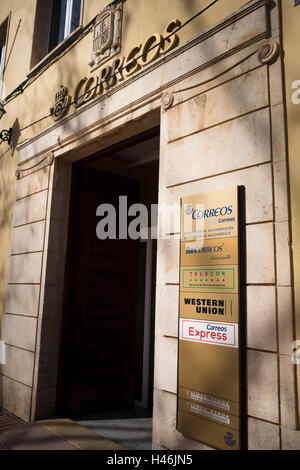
209,337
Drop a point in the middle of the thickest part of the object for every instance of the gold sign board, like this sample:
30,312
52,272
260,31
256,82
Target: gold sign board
209,398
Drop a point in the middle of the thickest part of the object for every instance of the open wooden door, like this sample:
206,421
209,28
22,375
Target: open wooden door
99,331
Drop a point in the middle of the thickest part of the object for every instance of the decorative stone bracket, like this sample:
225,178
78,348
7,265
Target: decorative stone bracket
269,52
167,100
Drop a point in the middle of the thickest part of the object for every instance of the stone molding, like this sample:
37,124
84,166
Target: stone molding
44,160
157,92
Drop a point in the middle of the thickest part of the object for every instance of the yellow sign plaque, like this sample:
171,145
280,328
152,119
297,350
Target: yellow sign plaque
209,278
211,215
210,306
210,252
209,398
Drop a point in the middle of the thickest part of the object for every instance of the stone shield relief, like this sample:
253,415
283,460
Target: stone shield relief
106,35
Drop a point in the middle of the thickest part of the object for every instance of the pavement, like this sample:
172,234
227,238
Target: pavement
128,429
53,434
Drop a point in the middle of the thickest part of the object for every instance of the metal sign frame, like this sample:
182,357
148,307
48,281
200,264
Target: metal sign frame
211,379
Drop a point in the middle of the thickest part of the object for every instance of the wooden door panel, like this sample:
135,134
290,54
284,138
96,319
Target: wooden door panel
102,300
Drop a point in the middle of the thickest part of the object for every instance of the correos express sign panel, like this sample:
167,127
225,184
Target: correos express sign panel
209,320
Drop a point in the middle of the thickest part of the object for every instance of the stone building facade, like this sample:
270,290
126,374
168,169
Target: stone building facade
219,100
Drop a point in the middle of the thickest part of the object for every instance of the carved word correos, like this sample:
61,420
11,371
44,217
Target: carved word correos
123,67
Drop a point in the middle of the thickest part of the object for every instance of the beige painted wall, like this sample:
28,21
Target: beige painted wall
291,38
140,20
16,66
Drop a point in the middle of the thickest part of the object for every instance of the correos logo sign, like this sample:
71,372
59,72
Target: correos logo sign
198,214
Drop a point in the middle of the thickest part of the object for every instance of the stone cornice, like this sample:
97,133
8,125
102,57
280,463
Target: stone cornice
153,95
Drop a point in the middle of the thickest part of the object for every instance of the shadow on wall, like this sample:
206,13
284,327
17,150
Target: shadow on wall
7,182
254,139
15,136
10,150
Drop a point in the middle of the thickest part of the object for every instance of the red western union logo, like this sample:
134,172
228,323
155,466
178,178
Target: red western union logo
218,333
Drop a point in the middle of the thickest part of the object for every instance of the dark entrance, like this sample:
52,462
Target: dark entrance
103,351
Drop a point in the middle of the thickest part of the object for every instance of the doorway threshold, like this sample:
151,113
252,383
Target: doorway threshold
130,427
